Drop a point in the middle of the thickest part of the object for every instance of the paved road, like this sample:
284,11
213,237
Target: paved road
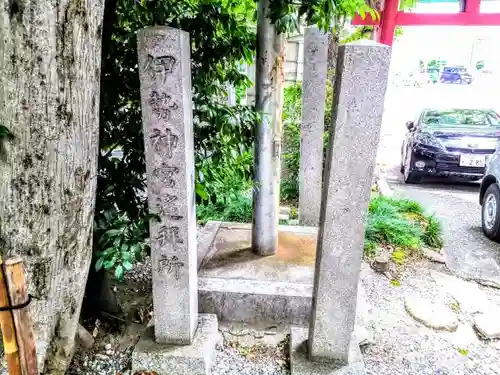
469,253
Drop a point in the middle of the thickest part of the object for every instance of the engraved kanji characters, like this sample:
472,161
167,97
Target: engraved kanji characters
163,65
165,205
166,174
169,235
164,142
162,104
171,264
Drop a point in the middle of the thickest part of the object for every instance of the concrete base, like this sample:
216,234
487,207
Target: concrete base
300,364
238,285
252,301
194,359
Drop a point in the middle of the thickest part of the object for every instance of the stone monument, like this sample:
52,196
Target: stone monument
183,342
361,81
312,126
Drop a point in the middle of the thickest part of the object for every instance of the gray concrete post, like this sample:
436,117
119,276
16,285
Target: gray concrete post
165,75
362,72
312,126
267,147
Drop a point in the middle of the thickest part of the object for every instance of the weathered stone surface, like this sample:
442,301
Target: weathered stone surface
384,188
312,127
465,336
205,240
363,336
491,283
301,365
431,314
433,255
165,359
362,72
381,263
254,301
488,325
165,75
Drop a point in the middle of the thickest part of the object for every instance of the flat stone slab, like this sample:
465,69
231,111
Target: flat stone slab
434,256
300,364
194,359
487,325
433,315
254,301
231,255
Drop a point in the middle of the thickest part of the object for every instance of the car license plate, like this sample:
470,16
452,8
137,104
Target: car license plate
468,160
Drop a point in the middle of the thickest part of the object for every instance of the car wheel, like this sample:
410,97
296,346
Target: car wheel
442,80
490,213
411,177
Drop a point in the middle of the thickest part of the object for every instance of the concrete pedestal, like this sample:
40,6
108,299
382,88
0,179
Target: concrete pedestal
301,365
164,359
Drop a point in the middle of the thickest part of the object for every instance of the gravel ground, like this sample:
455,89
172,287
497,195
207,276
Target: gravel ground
102,361
403,346
256,361
399,344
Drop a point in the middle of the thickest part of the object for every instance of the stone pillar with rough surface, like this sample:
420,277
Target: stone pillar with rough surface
165,74
362,71
361,81
312,127
181,341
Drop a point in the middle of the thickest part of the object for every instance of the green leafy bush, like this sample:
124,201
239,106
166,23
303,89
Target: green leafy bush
237,209
400,223
222,38
292,118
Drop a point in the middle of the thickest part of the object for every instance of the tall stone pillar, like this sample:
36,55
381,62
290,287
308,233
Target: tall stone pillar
167,114
312,126
361,82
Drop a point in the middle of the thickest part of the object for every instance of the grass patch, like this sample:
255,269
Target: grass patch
400,224
236,209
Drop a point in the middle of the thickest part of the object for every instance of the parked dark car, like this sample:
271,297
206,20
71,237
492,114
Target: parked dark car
455,74
489,198
451,142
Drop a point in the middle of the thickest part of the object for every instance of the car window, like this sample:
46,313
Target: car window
461,117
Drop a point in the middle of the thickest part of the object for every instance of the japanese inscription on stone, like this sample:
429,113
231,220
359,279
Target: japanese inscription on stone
165,75
159,66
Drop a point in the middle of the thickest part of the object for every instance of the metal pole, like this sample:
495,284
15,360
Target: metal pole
265,210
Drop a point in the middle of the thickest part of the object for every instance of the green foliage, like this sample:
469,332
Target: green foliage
400,223
121,240
292,115
5,134
362,32
237,209
407,4
395,283
285,14
222,37
432,233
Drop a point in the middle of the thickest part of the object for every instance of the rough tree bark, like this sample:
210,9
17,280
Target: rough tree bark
49,96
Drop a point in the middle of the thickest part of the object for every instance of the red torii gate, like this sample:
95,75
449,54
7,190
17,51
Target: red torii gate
391,17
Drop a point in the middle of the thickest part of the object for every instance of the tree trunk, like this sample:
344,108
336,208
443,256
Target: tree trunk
98,293
49,95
